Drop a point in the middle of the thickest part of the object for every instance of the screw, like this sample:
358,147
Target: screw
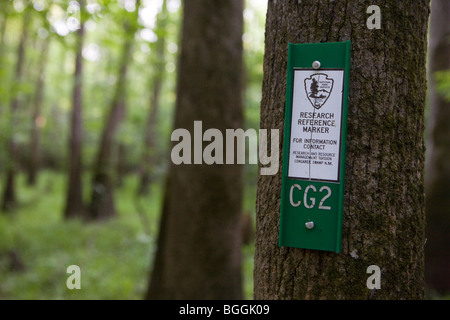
309,225
316,64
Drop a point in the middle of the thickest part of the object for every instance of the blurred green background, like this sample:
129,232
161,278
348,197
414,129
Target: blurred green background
36,243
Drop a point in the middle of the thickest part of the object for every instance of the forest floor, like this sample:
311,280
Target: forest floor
37,245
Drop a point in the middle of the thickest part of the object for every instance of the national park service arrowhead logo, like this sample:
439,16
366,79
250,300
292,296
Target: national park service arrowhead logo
318,89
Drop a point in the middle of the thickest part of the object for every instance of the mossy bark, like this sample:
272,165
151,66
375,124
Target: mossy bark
199,247
384,216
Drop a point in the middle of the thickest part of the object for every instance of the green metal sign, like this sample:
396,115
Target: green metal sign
314,146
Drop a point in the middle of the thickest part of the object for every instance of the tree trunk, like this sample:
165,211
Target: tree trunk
199,245
33,163
2,64
74,198
9,200
149,155
2,53
102,199
121,164
384,193
437,251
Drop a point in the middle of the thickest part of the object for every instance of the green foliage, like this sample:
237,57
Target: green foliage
104,21
248,253
114,256
443,83
253,40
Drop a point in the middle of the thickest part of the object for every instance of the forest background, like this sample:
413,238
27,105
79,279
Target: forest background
37,242
90,83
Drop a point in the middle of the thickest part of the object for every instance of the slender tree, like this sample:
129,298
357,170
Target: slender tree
149,154
198,255
34,159
102,200
3,24
9,199
437,250
384,218
74,198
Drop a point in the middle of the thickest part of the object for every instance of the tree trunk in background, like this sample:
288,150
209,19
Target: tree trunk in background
102,199
149,155
199,246
121,165
34,160
9,200
437,250
74,198
384,217
2,63
2,53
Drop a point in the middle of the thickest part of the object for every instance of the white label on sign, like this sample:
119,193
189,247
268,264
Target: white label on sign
316,124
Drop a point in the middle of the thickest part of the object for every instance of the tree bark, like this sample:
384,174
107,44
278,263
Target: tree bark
198,254
9,200
74,197
437,251
102,200
384,191
149,155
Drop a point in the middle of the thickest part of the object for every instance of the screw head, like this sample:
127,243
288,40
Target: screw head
309,225
316,64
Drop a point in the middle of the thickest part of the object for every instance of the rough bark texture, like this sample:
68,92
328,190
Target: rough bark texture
74,198
9,200
437,250
102,200
384,191
199,253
